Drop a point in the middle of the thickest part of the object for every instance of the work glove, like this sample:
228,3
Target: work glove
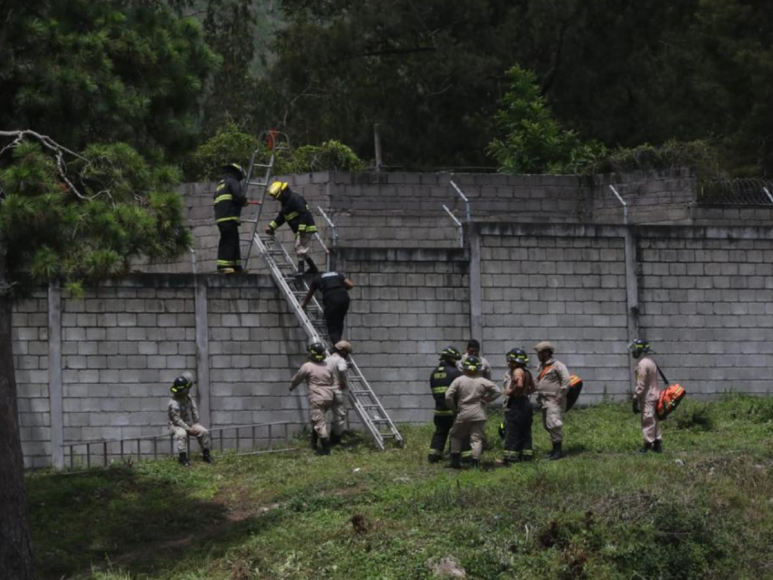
636,409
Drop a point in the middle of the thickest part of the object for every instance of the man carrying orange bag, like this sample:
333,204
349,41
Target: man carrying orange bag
646,396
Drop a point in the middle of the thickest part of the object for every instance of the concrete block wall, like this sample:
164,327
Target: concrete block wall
565,284
665,197
723,215
255,346
30,343
122,345
406,209
706,306
407,306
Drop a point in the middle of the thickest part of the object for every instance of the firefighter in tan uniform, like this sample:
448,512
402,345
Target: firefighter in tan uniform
318,376
552,385
184,419
646,395
339,365
469,395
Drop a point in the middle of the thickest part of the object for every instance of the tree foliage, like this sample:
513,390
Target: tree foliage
533,141
85,221
432,74
100,72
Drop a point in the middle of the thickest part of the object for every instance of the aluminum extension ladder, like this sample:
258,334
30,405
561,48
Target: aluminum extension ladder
282,267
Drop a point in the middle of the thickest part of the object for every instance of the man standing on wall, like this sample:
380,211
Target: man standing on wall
295,211
646,396
473,349
552,385
335,300
229,201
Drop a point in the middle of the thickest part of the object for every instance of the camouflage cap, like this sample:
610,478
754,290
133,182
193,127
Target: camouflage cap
544,345
344,345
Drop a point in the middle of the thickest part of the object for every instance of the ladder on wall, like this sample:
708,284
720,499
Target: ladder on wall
282,267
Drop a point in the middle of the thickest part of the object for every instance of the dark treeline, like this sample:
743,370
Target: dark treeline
431,73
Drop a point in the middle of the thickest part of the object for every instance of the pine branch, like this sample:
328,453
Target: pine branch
48,143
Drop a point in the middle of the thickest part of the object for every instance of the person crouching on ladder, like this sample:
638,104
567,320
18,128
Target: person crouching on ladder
295,211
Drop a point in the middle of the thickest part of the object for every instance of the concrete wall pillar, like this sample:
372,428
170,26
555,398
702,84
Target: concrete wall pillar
202,350
55,373
476,294
632,291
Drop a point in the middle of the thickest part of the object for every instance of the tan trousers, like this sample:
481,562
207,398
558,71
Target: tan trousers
472,429
650,427
302,244
552,416
181,437
339,412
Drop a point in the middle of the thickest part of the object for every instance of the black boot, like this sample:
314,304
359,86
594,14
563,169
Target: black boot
434,457
335,439
301,266
475,463
657,447
557,453
314,439
312,267
184,459
207,456
645,448
325,446
456,461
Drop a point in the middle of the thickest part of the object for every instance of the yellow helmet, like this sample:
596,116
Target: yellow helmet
276,188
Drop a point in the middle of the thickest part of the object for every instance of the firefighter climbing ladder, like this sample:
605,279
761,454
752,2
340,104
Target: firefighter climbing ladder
282,268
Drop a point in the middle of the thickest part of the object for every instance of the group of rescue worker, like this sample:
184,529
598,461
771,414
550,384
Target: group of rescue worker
462,388
325,378
230,199
461,383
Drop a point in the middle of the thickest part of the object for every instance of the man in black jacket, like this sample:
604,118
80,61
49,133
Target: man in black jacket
335,300
294,211
229,200
439,381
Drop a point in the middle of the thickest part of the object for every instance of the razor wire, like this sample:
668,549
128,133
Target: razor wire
739,191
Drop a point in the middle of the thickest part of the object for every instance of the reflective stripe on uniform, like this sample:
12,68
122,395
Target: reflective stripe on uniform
227,219
439,390
272,225
291,216
311,229
439,413
224,197
227,262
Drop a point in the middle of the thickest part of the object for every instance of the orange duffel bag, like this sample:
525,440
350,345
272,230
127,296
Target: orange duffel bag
573,392
670,397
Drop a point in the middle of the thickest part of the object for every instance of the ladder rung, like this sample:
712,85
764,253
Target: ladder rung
249,221
373,420
258,183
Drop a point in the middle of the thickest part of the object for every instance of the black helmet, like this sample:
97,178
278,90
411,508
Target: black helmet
182,384
517,356
639,347
471,364
451,352
317,351
235,169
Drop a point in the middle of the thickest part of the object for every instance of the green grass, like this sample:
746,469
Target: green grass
703,509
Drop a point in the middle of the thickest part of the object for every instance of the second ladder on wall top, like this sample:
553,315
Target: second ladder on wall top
294,288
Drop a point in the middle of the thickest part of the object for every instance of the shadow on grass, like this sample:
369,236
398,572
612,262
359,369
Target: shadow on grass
121,519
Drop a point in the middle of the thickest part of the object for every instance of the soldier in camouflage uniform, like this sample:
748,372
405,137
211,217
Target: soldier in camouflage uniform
320,381
184,419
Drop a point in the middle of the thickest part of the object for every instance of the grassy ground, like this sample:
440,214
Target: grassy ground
703,509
